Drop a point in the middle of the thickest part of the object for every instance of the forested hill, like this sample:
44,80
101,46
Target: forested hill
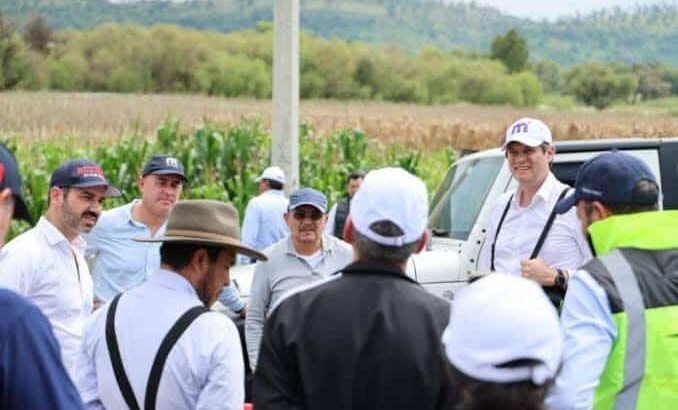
644,35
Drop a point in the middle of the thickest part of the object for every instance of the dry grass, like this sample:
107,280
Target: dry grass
105,117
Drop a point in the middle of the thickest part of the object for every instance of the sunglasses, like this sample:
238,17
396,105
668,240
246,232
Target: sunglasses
300,215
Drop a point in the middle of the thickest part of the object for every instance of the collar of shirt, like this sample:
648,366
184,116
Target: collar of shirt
132,221
373,268
278,192
54,235
545,193
327,246
174,281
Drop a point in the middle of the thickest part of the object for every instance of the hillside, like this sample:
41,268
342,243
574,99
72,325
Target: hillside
647,34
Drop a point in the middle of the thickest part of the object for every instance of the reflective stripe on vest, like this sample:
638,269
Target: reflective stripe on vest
634,359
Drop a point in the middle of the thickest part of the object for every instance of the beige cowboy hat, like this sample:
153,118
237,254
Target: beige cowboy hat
206,222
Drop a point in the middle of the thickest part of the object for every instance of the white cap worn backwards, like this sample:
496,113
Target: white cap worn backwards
391,194
503,329
528,131
272,173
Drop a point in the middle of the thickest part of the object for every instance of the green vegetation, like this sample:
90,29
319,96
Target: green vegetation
127,58
169,59
644,35
222,162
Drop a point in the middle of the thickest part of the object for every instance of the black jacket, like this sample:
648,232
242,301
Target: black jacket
367,338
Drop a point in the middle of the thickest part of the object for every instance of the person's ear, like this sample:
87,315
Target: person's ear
200,260
602,211
423,241
348,230
56,196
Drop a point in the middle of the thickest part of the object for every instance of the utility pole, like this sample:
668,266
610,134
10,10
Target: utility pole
285,150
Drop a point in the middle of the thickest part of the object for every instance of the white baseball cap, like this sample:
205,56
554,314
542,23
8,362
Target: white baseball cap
272,173
528,131
499,320
395,195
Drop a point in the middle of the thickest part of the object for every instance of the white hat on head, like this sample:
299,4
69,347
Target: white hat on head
528,131
500,319
272,173
395,195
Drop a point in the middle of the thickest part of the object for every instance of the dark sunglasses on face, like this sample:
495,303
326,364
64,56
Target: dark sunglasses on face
300,215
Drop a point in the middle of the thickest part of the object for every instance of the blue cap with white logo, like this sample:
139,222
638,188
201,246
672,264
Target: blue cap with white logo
610,178
164,165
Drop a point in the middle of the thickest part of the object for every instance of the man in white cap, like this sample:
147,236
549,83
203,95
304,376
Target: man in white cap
524,236
505,351
263,224
369,336
139,351
306,256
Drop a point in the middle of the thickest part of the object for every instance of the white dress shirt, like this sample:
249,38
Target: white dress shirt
565,246
204,369
44,267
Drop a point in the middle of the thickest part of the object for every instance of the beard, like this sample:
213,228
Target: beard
73,220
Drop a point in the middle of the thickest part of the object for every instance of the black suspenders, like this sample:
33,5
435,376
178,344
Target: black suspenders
554,293
160,358
542,236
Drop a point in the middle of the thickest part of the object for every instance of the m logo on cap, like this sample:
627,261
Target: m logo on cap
520,127
172,162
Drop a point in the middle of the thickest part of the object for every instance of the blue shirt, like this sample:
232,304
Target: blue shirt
32,375
264,222
121,263
589,332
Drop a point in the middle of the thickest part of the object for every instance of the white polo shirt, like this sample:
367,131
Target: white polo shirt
565,246
204,369
44,267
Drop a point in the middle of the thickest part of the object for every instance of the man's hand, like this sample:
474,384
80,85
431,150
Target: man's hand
537,270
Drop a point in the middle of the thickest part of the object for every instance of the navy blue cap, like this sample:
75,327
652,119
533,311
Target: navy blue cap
164,165
308,196
82,173
10,178
610,178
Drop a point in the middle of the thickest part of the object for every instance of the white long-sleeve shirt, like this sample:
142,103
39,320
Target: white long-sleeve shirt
43,266
565,246
204,369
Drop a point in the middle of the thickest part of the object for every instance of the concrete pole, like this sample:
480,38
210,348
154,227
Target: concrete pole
285,150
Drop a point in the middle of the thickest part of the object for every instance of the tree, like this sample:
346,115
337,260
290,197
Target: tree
38,34
511,49
599,85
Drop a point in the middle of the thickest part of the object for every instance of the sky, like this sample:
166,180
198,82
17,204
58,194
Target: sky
551,9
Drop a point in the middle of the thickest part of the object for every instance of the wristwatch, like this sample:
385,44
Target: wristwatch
560,279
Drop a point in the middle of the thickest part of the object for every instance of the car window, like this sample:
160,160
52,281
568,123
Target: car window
456,205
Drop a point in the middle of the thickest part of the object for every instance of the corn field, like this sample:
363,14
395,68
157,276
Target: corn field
221,161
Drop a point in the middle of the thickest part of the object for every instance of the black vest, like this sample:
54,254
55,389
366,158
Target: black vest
655,271
343,207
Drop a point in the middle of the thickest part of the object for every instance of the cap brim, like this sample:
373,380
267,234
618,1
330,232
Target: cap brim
225,242
316,206
168,172
111,191
566,204
21,210
525,140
